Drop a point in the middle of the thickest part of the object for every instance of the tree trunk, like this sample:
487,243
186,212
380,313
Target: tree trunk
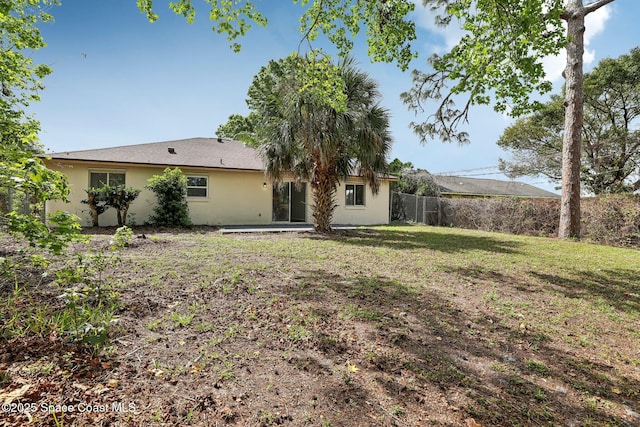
574,104
324,188
124,215
91,199
120,217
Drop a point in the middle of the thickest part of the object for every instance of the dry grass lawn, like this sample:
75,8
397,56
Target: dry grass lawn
388,326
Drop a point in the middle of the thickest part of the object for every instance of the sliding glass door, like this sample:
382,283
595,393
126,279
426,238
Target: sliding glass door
289,202
281,202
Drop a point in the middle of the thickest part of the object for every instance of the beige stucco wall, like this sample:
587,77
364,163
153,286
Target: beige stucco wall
78,177
234,197
374,211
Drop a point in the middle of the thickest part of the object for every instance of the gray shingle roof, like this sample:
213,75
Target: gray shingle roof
488,187
192,152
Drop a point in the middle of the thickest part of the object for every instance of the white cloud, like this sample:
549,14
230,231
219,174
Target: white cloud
449,35
594,23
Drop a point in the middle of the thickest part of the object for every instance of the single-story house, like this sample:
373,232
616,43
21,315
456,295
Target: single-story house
227,185
456,186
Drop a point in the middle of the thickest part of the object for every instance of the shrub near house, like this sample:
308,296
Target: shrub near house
119,198
172,209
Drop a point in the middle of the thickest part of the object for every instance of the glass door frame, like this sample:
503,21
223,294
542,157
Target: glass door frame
278,202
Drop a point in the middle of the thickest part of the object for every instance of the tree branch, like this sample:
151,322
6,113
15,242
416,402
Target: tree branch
311,28
592,7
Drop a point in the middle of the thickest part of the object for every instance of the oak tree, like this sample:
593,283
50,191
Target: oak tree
21,167
499,60
388,26
610,139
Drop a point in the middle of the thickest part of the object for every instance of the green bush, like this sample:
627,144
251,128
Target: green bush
417,182
97,201
119,198
122,238
172,209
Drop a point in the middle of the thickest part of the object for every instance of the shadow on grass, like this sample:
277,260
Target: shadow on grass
620,288
430,240
426,352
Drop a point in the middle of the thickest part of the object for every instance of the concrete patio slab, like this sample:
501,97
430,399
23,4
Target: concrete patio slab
277,228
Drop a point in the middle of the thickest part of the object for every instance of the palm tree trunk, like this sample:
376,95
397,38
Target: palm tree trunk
324,189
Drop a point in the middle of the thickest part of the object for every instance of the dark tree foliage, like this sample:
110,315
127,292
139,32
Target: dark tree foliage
610,139
239,128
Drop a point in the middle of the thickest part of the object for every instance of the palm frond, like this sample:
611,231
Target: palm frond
303,139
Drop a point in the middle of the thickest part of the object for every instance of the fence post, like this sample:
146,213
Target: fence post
424,209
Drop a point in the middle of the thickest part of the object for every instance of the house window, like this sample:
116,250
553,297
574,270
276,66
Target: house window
100,179
197,186
354,195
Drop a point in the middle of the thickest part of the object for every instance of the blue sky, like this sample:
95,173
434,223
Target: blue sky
120,80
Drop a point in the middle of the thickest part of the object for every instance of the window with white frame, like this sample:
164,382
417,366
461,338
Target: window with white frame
98,179
197,186
354,195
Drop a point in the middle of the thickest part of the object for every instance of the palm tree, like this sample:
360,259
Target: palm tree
304,137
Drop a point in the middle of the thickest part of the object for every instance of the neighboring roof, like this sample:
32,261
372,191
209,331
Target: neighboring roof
487,187
193,152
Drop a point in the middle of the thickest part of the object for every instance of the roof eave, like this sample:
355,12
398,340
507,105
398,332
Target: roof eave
160,165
